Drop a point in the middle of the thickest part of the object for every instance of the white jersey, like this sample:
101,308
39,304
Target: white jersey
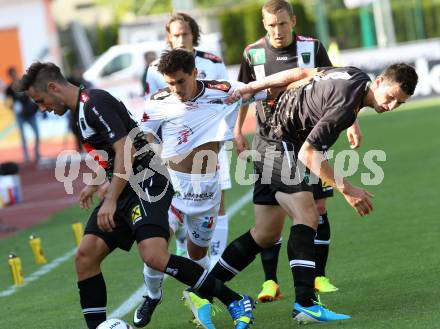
183,126
209,67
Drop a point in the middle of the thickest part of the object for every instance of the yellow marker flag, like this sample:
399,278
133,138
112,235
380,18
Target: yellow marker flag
16,270
37,250
78,232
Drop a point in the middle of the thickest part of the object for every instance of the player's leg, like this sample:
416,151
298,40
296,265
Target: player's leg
92,290
300,250
152,234
219,240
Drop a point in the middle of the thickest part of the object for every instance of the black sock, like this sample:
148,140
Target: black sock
195,276
93,299
322,245
301,253
236,257
269,260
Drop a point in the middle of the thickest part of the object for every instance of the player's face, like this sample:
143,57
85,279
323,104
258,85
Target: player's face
180,35
388,95
279,27
182,84
47,101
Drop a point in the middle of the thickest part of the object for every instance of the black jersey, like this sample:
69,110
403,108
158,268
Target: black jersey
102,120
261,59
319,111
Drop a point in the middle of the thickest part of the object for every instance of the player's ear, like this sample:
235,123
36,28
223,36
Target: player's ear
293,20
195,72
52,86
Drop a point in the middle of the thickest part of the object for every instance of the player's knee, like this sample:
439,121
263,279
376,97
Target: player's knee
266,238
85,262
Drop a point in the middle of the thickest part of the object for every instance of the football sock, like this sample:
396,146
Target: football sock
322,244
93,299
153,282
301,253
236,257
193,275
269,260
219,239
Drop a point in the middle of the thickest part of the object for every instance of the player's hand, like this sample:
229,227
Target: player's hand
86,196
105,215
354,135
243,92
241,144
359,199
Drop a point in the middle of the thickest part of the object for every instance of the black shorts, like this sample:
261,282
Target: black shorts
322,190
138,216
278,171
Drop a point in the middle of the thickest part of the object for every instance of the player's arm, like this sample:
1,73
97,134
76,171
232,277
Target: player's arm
277,80
122,168
354,135
356,197
245,75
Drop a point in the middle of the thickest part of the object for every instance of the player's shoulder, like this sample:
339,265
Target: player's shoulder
260,43
93,97
161,94
208,56
220,85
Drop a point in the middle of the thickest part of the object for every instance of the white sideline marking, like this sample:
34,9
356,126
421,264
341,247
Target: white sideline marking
37,274
134,299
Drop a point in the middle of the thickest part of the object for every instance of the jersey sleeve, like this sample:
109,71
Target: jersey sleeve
321,57
105,118
155,81
153,116
245,74
327,130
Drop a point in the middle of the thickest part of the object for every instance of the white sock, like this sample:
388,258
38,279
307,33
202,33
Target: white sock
153,282
180,235
219,239
204,262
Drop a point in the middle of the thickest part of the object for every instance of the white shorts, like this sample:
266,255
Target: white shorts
224,169
195,204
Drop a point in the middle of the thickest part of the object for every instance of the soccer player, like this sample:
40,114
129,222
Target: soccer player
279,50
305,123
184,32
137,210
193,122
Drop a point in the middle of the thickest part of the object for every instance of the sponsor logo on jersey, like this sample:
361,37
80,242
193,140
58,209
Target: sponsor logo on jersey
282,58
145,117
306,57
198,196
258,56
183,135
201,75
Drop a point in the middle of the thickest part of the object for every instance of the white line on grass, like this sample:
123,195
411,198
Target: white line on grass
134,299
37,274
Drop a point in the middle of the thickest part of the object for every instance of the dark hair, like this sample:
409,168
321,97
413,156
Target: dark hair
404,74
38,75
195,29
274,6
174,60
